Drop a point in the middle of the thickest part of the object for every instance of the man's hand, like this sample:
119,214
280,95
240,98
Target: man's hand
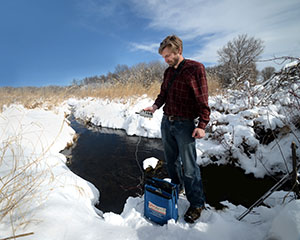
198,133
151,109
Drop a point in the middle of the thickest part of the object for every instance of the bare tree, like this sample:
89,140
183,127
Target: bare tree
267,73
237,59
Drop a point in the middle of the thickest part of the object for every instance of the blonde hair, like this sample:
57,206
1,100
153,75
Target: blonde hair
172,41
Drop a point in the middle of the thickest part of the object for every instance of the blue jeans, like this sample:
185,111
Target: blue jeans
180,150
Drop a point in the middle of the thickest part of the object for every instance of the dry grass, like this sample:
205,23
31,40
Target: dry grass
18,187
118,91
214,84
49,97
32,97
21,179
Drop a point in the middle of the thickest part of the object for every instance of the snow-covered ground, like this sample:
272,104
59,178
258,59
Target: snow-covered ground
40,195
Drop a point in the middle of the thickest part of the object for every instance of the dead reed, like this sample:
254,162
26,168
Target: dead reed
24,177
49,97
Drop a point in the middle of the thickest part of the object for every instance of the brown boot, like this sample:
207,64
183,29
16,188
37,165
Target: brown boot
192,214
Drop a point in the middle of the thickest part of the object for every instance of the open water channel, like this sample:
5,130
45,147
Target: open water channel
107,158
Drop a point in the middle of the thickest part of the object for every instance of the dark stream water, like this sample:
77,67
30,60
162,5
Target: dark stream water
106,158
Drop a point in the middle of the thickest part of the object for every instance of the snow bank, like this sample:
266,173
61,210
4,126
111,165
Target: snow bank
54,203
35,182
286,224
118,115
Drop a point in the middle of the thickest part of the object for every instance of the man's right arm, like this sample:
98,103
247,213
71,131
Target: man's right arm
152,109
161,98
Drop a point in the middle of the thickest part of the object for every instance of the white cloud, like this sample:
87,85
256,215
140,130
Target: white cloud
276,22
152,47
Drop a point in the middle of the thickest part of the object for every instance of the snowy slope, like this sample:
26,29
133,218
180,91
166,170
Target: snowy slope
61,204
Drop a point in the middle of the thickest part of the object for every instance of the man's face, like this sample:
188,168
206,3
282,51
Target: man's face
170,57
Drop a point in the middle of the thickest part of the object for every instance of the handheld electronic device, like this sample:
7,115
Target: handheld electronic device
145,113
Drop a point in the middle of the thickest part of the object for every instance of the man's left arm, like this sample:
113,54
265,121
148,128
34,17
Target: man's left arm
198,133
200,88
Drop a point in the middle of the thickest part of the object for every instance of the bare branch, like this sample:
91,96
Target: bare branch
282,59
18,236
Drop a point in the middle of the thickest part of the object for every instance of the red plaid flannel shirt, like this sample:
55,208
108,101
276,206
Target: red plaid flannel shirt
188,95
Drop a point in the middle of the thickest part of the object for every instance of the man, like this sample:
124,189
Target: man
185,99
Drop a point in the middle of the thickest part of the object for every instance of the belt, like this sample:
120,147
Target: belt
176,118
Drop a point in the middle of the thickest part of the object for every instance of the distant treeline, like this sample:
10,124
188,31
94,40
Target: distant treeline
142,73
146,74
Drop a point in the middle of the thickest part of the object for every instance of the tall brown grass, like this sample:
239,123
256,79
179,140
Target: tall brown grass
214,84
49,97
18,186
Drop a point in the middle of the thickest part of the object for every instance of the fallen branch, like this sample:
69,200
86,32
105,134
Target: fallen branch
18,236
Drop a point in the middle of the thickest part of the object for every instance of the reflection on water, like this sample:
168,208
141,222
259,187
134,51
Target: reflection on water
106,158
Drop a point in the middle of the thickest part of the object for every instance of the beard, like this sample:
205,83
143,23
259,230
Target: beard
174,61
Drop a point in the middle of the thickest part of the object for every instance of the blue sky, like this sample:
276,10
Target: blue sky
52,42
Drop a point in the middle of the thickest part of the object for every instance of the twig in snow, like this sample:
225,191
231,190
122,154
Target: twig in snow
18,236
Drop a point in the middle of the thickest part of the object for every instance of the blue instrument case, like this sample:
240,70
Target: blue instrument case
160,201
